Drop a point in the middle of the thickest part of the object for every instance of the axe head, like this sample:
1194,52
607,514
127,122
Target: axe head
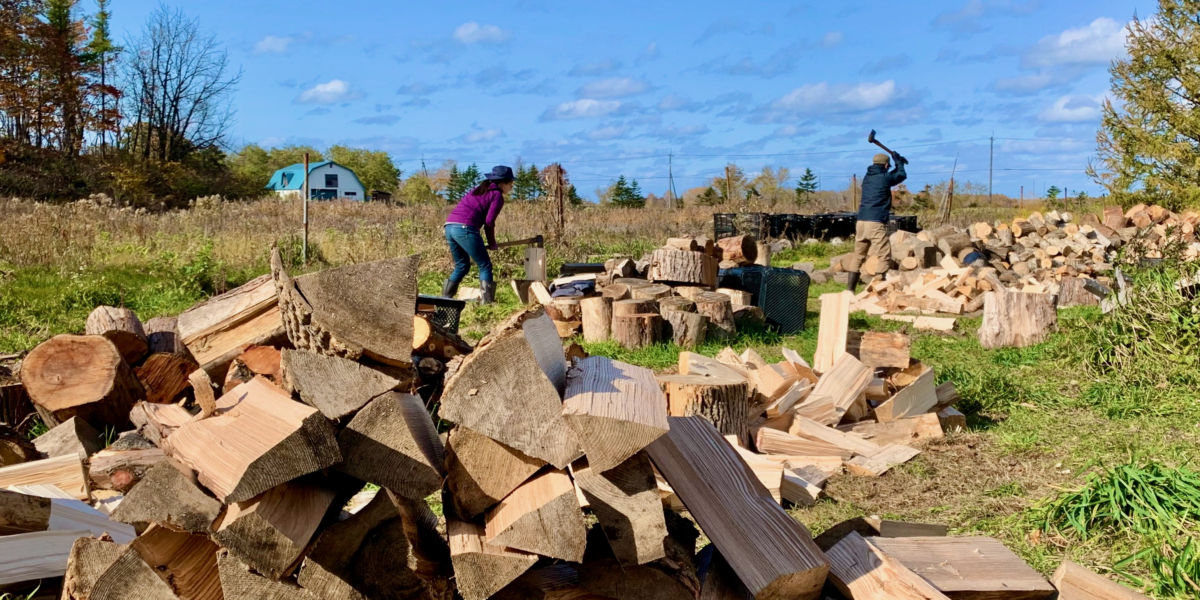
539,241
871,137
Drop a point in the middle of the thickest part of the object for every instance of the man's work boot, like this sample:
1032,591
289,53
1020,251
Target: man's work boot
449,289
489,292
852,282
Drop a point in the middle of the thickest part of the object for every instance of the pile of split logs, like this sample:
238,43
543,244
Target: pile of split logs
556,479
949,270
670,295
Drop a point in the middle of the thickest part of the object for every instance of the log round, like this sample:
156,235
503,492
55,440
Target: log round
433,340
686,329
567,316
81,375
162,336
671,303
719,310
682,266
652,291
724,402
623,308
637,331
741,249
689,291
122,327
684,243
597,318
615,291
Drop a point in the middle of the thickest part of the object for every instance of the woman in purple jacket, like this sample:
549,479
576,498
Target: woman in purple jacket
479,208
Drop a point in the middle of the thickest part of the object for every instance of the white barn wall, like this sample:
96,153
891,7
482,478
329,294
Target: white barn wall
347,182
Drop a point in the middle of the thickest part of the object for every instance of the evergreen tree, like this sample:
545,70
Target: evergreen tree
806,187
1151,128
1053,192
104,53
708,197
627,194
526,183
573,196
454,187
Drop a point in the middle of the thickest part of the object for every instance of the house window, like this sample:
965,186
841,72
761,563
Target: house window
351,194
284,178
331,180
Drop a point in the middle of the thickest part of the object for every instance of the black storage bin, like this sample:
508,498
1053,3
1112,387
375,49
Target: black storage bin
782,294
442,311
792,227
731,224
903,223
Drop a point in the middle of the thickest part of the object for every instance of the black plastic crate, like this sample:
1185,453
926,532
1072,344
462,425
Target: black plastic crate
782,294
441,311
792,227
903,223
731,224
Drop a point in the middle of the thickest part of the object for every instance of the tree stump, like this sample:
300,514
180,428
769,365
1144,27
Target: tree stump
81,375
1072,292
738,298
122,327
723,401
682,266
719,310
742,249
637,330
1016,319
650,291
567,316
687,329
162,336
624,308
597,318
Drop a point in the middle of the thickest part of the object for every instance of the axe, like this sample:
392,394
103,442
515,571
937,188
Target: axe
536,241
872,140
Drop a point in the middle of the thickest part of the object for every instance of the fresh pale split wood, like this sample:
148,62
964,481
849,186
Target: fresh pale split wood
833,329
270,532
968,567
807,428
908,430
837,391
862,572
1075,582
881,462
912,400
615,408
65,472
482,471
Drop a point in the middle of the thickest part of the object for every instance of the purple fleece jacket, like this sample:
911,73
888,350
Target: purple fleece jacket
477,210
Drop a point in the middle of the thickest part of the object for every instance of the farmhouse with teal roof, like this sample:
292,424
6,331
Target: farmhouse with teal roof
327,180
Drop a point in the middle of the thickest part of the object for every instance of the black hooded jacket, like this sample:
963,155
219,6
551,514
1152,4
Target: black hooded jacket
877,185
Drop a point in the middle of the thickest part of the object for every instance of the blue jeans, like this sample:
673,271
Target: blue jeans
467,245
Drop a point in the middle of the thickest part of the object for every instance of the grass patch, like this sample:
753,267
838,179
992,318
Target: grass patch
1145,498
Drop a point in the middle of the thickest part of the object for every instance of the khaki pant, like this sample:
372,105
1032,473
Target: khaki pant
871,239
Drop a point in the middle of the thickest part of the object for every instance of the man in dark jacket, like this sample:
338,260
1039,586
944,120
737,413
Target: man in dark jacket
870,235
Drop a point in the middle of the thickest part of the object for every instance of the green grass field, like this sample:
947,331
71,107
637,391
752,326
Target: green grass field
1043,419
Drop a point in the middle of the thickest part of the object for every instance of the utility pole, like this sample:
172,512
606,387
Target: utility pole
728,196
423,169
991,147
304,243
854,199
1022,200
675,202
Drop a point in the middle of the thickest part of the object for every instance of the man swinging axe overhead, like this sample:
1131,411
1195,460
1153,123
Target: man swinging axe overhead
874,211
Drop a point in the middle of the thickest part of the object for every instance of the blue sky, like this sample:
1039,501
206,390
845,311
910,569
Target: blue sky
610,88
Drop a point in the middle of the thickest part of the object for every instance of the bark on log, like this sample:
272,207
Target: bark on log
1073,292
122,327
215,331
567,316
638,330
676,303
162,335
624,308
433,340
81,375
687,329
684,243
165,376
725,402
1016,319
597,318
121,469
741,249
682,266
719,310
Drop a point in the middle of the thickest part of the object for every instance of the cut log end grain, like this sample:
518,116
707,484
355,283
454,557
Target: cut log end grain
724,402
741,249
81,375
719,310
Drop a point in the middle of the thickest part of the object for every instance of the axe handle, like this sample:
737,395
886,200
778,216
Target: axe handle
880,144
532,240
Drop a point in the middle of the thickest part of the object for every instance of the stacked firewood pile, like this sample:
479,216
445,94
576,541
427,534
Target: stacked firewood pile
948,269
669,295
551,477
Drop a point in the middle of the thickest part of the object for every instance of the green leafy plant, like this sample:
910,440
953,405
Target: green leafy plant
1146,498
1174,566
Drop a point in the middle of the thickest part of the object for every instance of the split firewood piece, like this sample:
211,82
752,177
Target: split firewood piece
270,532
771,552
615,408
836,392
947,395
122,327
900,431
795,394
65,472
203,392
879,349
336,386
482,569
128,576
719,310
541,516
691,363
165,376
625,500
88,559
741,249
1016,319
719,581
73,436
23,513
429,554
862,572
799,365
431,339
881,462
238,581
168,496
157,421
608,578
120,469
738,298
540,293
773,441
637,331
392,442
510,389
567,316
597,318
360,310
162,335
277,440
767,471
833,329
967,567
916,398
723,401
1079,583
687,329
889,528
26,509
482,471
802,486
683,266
216,330
807,428
952,420
187,562
80,375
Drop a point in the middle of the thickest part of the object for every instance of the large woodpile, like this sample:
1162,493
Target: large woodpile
556,478
950,270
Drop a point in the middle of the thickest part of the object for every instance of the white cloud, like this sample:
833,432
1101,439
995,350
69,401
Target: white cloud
837,97
273,44
613,87
610,132
1025,84
1073,109
330,92
581,109
832,39
1095,43
474,33
483,135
